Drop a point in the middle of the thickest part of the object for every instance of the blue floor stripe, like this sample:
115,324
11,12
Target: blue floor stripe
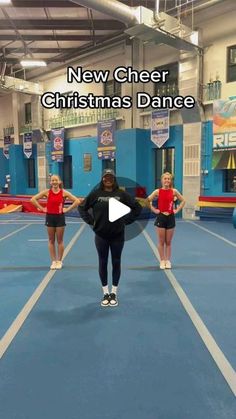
205,267
23,265
142,360
6,229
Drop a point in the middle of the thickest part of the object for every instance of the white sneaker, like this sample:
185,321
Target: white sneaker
162,264
53,265
59,264
168,264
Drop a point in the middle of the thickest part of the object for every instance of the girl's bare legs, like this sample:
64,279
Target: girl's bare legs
161,242
169,236
51,242
60,243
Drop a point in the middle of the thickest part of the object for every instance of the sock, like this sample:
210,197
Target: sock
114,289
105,290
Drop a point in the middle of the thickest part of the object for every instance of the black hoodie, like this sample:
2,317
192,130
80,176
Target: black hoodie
94,211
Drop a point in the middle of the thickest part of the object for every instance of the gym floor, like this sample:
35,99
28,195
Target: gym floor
168,351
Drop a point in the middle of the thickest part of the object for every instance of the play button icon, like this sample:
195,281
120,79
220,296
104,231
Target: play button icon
116,210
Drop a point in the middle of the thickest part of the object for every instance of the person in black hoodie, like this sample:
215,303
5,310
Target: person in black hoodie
108,235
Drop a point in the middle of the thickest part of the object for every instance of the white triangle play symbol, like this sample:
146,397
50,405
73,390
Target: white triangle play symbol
116,210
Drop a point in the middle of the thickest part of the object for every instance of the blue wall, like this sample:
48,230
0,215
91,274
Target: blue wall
18,170
126,155
83,182
213,182
145,158
134,161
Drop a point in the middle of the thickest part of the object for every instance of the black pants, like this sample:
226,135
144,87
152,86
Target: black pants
103,247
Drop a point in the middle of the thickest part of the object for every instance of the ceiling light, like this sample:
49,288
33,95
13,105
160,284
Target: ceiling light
5,2
33,63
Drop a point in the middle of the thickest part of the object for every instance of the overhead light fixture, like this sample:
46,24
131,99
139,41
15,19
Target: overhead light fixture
33,63
5,2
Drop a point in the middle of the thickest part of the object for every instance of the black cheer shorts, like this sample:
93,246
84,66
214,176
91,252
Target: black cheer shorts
55,220
165,221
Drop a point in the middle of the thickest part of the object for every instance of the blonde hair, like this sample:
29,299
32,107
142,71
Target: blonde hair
171,177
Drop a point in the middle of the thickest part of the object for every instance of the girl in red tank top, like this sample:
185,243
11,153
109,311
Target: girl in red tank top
165,220
55,202
55,217
166,200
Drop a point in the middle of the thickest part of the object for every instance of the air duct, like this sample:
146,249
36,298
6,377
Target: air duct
112,8
21,86
161,28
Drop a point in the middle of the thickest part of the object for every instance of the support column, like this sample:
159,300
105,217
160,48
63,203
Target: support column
127,87
192,134
42,164
15,115
137,64
37,112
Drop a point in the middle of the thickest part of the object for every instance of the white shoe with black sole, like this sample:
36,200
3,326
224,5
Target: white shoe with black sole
113,300
105,301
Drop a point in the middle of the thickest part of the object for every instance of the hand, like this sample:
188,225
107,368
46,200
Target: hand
44,209
64,210
175,211
156,210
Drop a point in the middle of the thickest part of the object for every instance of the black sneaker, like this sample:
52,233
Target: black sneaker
105,301
113,300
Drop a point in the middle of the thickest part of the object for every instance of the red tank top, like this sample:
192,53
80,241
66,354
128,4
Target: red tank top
166,200
55,202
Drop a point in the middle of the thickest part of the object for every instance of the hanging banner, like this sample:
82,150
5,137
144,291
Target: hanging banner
6,145
27,144
224,123
57,142
160,127
224,159
224,134
106,139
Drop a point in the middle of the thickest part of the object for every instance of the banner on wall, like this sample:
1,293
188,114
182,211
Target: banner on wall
224,134
6,145
160,127
224,159
27,144
57,143
106,139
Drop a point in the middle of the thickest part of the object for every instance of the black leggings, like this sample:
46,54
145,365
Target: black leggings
103,247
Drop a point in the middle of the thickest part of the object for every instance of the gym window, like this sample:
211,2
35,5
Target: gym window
31,173
231,64
171,87
112,88
87,162
66,94
28,115
230,180
109,164
67,172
